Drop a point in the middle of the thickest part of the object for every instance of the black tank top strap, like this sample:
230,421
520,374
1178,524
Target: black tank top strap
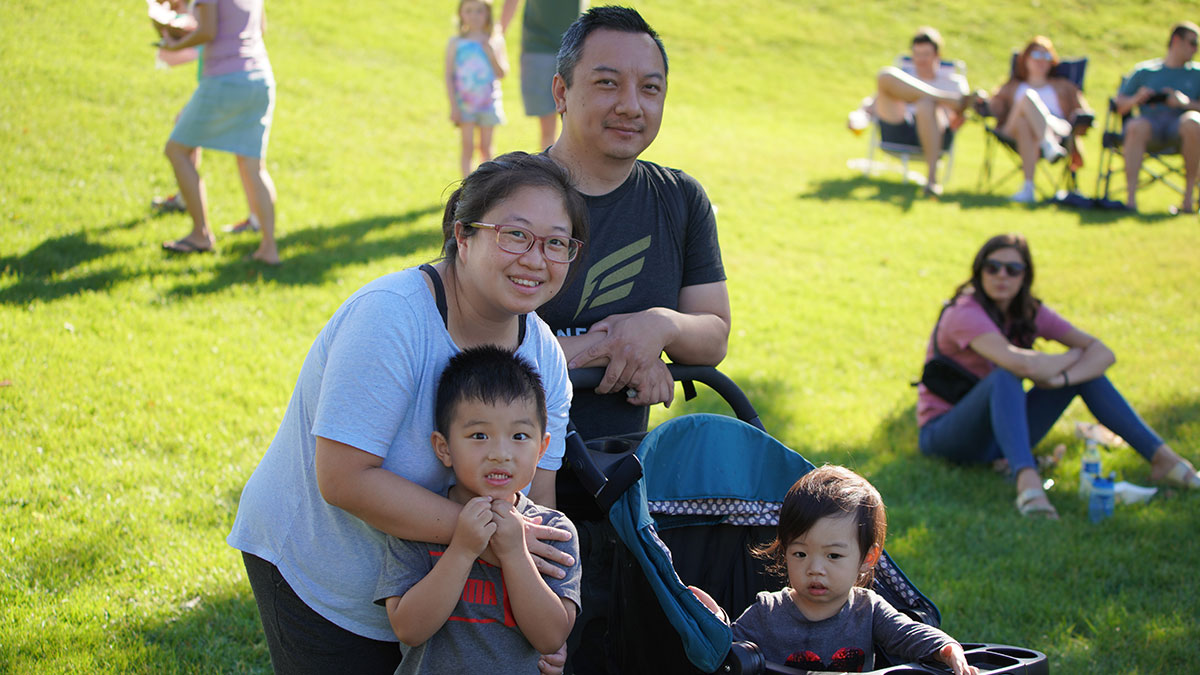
439,293
439,297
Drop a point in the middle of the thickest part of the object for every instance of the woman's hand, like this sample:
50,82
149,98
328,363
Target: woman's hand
549,560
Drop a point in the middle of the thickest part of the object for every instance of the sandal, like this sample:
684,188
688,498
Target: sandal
1182,476
185,247
1028,506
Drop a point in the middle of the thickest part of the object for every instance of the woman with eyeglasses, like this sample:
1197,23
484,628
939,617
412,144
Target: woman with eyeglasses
1035,108
988,327
352,458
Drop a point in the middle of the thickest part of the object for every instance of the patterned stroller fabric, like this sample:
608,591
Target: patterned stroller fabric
704,473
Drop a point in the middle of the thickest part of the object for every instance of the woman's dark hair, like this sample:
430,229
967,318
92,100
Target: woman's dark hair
620,19
1019,322
496,180
828,492
1021,71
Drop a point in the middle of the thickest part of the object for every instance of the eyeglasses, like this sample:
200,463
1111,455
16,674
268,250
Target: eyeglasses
518,240
1013,269
1040,55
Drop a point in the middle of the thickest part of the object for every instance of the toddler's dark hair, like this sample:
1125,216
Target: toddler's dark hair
491,375
824,492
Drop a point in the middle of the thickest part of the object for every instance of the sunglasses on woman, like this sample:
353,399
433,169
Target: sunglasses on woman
1013,269
518,240
1040,55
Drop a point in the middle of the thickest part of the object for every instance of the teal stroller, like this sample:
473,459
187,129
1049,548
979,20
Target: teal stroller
683,505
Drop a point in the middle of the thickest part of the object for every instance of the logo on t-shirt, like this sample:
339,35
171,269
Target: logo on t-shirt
611,278
845,660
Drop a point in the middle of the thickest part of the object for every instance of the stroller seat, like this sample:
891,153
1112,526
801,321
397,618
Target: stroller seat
709,490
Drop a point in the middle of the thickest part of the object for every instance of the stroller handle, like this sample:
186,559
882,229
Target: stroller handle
589,378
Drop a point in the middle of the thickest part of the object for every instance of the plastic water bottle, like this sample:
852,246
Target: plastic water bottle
1089,466
1100,503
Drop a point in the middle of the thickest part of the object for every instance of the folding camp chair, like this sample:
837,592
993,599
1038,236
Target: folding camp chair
1158,164
881,140
994,140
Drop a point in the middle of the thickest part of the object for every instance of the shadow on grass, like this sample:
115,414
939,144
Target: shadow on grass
323,249
859,187
902,195
1110,216
42,272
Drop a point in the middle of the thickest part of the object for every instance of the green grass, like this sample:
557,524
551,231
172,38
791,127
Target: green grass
140,391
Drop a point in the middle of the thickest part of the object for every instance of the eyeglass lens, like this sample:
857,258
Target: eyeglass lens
515,239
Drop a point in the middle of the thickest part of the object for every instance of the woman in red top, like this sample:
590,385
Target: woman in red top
989,329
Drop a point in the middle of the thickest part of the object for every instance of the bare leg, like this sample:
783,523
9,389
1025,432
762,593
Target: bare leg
1163,460
467,130
260,191
549,126
247,185
1024,131
896,88
1189,135
930,129
485,142
1137,136
192,188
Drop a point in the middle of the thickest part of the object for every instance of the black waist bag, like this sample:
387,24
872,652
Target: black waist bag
943,375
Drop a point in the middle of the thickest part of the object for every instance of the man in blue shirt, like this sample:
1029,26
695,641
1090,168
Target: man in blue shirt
1167,94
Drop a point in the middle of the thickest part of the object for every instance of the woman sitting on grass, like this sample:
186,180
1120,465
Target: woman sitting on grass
989,327
1033,109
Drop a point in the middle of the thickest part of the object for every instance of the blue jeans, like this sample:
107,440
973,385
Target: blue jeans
998,418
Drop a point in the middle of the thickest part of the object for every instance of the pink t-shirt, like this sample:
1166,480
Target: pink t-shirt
238,45
962,323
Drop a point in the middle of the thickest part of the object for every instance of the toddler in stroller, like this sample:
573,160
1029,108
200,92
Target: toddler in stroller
831,530
710,493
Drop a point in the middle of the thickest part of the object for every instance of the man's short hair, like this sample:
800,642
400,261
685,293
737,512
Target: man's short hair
490,375
1182,30
621,19
928,35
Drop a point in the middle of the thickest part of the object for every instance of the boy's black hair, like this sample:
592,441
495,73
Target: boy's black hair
611,17
489,374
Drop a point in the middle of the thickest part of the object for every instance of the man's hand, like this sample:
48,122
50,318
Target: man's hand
1178,99
632,346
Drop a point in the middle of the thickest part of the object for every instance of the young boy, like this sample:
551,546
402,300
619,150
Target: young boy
453,611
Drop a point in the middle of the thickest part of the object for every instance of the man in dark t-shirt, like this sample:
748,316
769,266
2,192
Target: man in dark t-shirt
650,281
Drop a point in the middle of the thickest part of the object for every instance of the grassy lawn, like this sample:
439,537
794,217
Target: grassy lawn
138,391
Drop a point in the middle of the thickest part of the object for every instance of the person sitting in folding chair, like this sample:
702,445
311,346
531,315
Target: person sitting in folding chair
1167,95
1034,109
917,109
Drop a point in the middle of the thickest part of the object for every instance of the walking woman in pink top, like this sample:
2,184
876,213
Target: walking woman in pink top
231,110
989,327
